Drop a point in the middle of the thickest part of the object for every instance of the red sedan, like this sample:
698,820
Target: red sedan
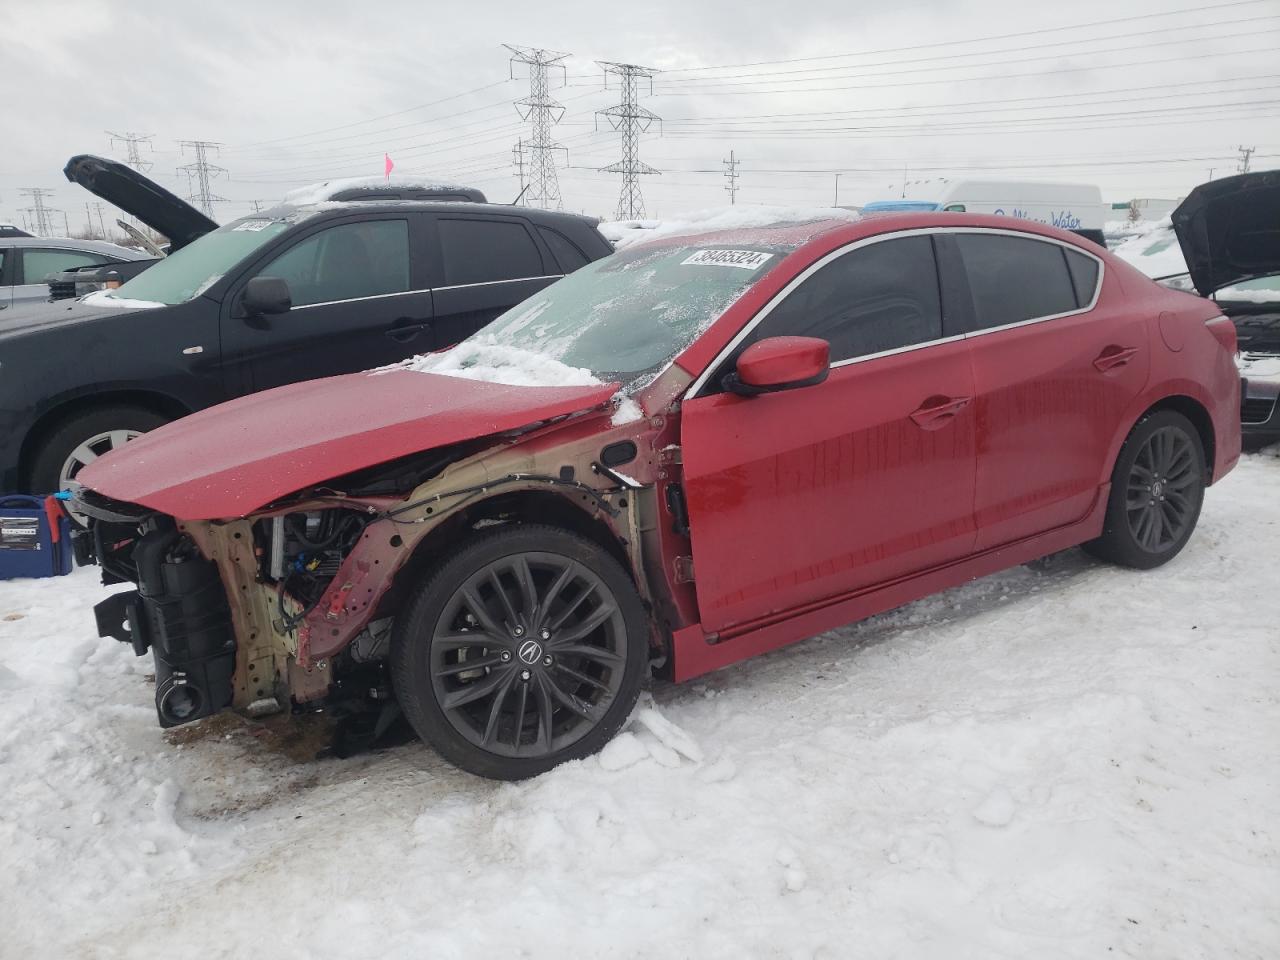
699,449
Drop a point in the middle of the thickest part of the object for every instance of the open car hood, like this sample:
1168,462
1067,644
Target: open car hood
232,459
126,188
1229,230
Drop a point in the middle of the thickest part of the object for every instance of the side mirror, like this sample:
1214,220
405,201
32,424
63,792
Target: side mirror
780,363
266,295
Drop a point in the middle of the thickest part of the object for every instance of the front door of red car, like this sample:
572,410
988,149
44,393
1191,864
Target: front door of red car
1055,366
803,495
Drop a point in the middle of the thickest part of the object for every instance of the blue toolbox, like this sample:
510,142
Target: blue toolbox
35,537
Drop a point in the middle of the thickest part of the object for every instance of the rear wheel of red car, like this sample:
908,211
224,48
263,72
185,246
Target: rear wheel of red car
525,649
1157,488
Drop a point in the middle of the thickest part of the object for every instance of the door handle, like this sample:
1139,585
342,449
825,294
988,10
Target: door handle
1114,356
405,329
938,411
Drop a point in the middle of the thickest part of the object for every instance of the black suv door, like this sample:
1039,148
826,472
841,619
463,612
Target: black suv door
484,264
361,299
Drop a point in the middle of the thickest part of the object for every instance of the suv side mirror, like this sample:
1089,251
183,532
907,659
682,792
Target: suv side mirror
266,295
780,363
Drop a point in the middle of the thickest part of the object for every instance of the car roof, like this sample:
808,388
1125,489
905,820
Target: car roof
85,246
429,206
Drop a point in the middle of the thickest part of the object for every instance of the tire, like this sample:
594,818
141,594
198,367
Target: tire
48,468
556,666
1157,489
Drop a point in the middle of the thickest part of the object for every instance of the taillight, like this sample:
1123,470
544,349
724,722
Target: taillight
1224,331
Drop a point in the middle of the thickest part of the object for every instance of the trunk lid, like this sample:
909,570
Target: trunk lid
1229,230
124,187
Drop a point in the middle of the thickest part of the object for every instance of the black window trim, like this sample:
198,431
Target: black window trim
696,388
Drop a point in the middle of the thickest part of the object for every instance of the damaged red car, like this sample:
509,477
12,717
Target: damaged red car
696,450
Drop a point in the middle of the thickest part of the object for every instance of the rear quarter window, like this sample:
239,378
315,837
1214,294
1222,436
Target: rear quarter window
1015,279
1084,276
564,250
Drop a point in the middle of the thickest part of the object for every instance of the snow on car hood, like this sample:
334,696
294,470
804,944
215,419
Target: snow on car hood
236,457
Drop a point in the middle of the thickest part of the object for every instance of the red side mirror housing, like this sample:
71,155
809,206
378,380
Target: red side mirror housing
780,363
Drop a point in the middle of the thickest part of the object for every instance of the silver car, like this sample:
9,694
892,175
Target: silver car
26,263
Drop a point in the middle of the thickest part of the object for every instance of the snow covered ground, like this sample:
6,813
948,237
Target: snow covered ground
1063,760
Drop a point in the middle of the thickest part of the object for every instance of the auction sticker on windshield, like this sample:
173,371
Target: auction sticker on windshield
746,259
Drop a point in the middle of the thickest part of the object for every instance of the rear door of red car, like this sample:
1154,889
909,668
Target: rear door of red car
799,496
1055,367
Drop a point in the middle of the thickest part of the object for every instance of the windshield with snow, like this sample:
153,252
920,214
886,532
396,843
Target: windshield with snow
621,319
186,274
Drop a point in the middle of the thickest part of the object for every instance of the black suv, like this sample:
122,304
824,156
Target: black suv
293,293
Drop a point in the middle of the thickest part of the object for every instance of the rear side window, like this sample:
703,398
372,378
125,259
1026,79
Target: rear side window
346,262
39,264
564,250
880,297
1084,276
1013,279
482,251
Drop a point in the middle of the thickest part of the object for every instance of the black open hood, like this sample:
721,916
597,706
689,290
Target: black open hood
137,196
1229,230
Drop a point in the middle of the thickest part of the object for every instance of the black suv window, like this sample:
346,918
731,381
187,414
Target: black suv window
480,251
876,298
1013,279
569,256
346,262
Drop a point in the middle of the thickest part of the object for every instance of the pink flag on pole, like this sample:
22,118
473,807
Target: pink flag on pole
387,166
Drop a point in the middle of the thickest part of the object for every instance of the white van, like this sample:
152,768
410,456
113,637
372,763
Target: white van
1072,206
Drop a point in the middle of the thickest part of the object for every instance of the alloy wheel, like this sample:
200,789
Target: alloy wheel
1160,498
528,654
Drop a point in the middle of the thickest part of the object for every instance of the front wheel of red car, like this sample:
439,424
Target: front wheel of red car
1157,488
525,649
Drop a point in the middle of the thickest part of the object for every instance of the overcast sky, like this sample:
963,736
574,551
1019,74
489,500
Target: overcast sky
1142,98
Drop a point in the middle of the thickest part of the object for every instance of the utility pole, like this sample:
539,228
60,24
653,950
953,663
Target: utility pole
257,206
131,141
542,112
97,205
632,120
731,174
836,202
200,172
1245,154
40,214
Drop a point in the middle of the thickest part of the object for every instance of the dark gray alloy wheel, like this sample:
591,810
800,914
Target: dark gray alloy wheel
524,650
1157,490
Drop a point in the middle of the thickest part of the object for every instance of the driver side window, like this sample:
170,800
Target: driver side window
880,297
346,262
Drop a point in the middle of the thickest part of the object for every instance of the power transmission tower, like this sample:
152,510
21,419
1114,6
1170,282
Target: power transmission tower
40,214
542,112
200,172
1245,154
131,141
731,174
631,119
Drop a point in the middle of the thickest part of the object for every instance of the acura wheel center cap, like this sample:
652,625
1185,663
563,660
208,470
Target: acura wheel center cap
530,652
1157,489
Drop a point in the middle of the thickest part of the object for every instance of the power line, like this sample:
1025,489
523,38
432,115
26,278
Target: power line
986,39
40,214
631,119
1245,154
731,174
200,172
131,141
541,111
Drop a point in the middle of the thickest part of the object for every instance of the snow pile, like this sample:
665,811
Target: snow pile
481,357
1063,760
107,298
623,233
321,192
1154,250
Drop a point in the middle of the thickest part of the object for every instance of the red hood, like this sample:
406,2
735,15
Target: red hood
231,459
